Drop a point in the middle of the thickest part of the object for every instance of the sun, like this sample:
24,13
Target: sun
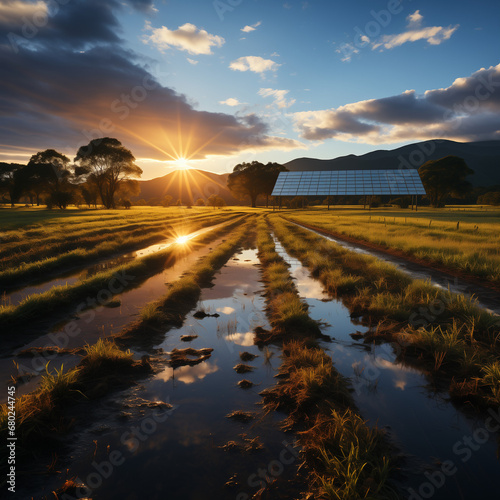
181,240
181,163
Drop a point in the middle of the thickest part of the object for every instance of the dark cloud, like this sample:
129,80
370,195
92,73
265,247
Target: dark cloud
73,82
76,24
480,91
466,110
63,99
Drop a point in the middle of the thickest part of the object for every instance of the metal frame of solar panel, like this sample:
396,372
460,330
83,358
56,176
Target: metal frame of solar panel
349,182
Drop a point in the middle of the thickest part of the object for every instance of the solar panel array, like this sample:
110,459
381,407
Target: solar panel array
349,182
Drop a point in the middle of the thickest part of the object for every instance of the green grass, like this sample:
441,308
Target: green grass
63,249
68,297
460,337
347,458
288,313
433,236
183,294
41,415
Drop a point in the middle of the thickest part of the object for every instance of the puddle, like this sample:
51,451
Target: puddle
421,422
486,298
92,324
179,453
17,296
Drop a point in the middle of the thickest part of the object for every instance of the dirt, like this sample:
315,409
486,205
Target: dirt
247,356
241,368
189,356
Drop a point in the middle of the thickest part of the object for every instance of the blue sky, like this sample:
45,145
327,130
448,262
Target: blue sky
247,80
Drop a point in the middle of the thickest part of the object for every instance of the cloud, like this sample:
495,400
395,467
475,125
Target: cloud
347,50
13,12
143,5
433,35
187,37
192,61
74,82
253,27
74,25
254,63
279,97
415,19
467,110
230,102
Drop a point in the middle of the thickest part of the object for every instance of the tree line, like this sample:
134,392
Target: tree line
104,172
100,171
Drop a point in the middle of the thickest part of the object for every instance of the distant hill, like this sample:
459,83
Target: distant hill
186,185
482,157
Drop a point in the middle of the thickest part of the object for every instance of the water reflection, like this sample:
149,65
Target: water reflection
183,458
420,419
242,339
188,374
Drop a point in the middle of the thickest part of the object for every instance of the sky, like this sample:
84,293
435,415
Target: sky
210,84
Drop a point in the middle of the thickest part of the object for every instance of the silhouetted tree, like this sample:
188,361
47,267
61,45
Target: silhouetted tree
254,179
167,201
107,164
48,171
11,181
445,177
215,201
90,194
200,202
490,198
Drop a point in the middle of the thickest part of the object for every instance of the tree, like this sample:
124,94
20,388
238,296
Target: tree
107,164
445,177
219,202
489,198
254,179
11,181
215,201
167,201
90,193
48,172
200,202
269,177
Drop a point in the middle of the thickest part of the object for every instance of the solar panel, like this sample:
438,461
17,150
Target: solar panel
349,182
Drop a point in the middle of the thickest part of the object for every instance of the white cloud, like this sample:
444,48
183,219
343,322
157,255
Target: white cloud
192,61
279,97
433,35
467,110
347,50
230,102
254,63
13,12
187,37
253,27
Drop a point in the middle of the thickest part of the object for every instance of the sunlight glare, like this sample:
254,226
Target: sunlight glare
181,240
181,163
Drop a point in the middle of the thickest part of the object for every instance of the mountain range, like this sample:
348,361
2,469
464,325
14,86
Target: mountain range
482,157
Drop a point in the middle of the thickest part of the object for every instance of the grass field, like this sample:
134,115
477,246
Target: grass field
465,240
345,457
